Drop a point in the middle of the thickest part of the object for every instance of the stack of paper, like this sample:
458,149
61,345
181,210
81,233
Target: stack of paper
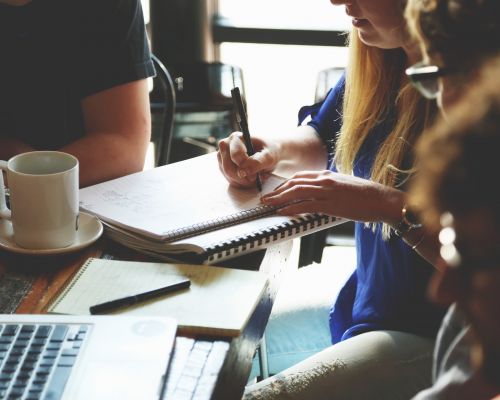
188,211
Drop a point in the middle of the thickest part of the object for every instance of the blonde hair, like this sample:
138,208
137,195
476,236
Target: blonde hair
376,89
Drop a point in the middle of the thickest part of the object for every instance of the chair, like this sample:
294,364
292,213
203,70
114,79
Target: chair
162,100
311,246
204,109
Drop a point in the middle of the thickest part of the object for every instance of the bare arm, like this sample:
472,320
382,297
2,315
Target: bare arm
350,197
302,150
118,129
9,147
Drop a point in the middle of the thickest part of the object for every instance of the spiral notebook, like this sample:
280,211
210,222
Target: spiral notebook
187,211
219,301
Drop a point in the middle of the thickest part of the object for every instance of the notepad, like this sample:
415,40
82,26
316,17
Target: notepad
219,302
187,211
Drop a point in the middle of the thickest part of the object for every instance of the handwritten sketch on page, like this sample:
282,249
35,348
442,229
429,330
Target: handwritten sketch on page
167,199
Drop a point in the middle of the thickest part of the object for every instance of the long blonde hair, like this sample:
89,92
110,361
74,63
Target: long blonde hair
376,89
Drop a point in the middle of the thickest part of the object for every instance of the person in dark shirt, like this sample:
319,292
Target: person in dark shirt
73,78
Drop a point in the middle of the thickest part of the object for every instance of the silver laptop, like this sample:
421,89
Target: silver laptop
84,357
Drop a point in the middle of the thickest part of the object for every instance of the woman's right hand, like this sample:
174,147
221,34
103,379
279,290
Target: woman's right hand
239,168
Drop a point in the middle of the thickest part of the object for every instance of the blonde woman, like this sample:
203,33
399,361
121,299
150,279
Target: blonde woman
382,327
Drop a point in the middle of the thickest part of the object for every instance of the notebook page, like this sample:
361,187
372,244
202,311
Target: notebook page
93,284
219,300
169,198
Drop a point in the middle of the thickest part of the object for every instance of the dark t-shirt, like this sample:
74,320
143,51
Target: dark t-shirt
54,53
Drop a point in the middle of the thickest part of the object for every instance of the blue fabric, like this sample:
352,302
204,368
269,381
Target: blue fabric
326,117
387,289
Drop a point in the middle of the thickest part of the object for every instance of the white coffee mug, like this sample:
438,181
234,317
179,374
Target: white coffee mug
43,199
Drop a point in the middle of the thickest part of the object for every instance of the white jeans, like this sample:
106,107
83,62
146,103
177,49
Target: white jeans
383,365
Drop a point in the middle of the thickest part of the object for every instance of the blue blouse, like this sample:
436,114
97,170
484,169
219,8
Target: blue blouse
387,290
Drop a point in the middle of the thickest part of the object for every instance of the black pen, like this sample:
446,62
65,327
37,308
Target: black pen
131,300
241,117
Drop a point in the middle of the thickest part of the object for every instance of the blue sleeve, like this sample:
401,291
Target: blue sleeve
326,116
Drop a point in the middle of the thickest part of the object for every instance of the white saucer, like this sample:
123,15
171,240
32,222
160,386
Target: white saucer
89,230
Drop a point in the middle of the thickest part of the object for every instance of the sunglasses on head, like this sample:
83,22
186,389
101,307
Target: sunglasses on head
424,78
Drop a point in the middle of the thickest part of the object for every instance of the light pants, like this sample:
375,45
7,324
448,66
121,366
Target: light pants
385,365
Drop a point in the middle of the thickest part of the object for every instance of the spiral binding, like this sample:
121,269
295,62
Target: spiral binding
218,223
262,238
63,290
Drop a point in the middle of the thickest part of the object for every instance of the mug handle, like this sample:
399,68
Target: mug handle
4,211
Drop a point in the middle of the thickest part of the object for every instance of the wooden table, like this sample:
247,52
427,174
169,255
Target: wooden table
42,277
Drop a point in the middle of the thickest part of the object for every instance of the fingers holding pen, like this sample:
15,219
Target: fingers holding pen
237,149
226,165
235,164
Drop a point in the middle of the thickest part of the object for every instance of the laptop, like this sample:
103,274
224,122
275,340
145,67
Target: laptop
84,357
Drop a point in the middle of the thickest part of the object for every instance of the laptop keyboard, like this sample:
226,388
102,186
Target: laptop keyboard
36,360
194,368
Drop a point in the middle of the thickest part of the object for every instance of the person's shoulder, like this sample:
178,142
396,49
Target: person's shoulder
336,94
101,9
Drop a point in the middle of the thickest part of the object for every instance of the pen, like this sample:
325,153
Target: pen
241,117
131,300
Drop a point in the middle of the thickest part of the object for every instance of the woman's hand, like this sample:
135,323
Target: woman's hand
338,195
239,168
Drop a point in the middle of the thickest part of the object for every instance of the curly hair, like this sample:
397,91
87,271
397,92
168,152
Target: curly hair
458,158
460,33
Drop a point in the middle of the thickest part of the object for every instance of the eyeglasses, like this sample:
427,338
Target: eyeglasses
424,78
462,259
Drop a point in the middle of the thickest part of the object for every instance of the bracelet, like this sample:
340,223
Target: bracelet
409,221
414,247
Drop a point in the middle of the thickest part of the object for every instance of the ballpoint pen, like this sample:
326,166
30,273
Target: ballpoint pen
241,117
131,300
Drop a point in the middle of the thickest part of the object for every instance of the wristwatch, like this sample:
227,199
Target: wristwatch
409,221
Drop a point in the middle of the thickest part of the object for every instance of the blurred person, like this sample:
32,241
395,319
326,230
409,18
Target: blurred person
455,183
455,190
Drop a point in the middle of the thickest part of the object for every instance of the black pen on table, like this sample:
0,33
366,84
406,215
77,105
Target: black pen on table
131,300
241,117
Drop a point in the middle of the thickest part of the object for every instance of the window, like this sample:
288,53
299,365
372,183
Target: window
279,78
145,10
298,14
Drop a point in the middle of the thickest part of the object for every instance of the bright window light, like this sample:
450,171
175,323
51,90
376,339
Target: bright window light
301,14
279,79
145,10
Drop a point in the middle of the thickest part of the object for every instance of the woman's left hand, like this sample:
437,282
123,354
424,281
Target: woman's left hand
336,194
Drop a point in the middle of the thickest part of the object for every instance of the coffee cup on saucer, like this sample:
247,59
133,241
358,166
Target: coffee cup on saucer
43,199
